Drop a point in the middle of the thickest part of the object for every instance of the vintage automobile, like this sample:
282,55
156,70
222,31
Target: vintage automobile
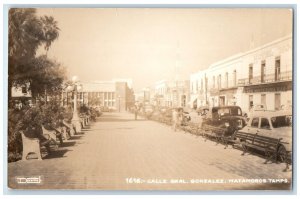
255,107
228,118
148,110
163,109
186,115
203,110
104,109
273,124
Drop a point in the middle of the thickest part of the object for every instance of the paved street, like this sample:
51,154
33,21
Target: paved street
119,153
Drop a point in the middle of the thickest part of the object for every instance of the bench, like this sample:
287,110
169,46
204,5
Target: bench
236,138
209,131
70,128
53,135
61,133
288,160
255,141
192,127
83,121
30,145
167,120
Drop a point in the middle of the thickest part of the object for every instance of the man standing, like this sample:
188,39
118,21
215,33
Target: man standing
135,112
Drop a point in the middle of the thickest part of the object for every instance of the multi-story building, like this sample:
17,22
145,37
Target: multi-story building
161,90
259,76
172,93
21,92
115,95
197,90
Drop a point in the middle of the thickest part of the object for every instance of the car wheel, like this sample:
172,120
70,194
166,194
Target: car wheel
281,153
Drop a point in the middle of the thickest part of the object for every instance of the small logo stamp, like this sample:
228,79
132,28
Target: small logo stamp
29,180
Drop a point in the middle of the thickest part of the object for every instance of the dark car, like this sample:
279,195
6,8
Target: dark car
186,115
203,110
226,117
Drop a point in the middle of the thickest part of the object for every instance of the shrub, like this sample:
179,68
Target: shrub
30,118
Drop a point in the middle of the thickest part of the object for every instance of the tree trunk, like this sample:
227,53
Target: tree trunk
9,97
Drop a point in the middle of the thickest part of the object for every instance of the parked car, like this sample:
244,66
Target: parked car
148,110
274,124
163,109
259,107
105,109
255,107
203,110
186,115
155,115
227,117
286,107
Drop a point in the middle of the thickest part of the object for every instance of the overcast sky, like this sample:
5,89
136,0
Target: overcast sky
147,44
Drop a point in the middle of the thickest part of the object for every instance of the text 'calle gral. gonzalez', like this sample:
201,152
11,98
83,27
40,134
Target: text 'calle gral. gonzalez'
204,181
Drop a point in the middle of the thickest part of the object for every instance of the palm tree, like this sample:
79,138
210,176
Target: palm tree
27,33
50,30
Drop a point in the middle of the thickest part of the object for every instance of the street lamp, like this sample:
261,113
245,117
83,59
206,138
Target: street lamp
75,87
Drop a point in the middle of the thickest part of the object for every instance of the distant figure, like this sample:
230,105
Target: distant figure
180,117
135,112
175,119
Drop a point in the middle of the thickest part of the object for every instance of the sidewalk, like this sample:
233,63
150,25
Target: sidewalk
119,153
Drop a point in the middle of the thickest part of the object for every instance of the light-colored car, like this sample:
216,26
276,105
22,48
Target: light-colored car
255,107
259,107
274,124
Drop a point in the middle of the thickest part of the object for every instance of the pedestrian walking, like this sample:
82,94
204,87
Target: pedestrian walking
180,117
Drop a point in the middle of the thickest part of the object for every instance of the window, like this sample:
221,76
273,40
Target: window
250,101
197,86
282,121
214,82
250,73
113,96
264,123
234,78
201,84
277,101
24,90
206,83
255,122
277,69
226,80
263,99
263,71
219,82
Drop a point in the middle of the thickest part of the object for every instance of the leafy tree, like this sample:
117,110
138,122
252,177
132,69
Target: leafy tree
27,32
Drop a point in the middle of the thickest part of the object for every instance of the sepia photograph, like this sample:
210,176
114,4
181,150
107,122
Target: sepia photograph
149,98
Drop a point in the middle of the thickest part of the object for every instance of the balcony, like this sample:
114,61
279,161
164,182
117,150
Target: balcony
214,91
270,78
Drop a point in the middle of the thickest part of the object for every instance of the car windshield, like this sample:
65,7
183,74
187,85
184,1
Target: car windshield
282,121
229,111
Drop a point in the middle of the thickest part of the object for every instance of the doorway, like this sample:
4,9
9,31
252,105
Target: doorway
277,101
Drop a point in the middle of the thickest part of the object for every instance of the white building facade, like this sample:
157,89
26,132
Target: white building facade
259,76
172,93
